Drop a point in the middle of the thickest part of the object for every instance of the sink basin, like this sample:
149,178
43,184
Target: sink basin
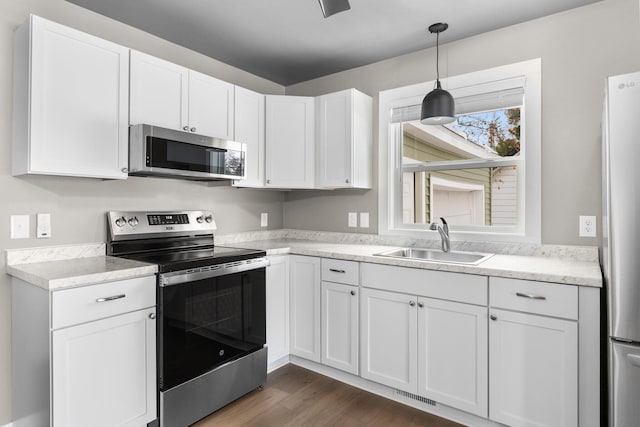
434,255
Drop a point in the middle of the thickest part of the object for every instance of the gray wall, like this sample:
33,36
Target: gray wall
78,205
577,54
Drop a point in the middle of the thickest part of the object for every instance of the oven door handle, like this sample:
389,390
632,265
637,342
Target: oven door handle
191,275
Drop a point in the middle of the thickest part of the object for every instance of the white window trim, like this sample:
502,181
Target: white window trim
529,175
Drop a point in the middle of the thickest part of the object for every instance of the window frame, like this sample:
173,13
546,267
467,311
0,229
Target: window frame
529,166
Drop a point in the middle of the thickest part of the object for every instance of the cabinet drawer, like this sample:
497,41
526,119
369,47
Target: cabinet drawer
339,271
87,303
547,299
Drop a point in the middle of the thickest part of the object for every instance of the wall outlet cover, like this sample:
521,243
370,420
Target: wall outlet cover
587,226
43,225
19,226
364,219
353,219
264,219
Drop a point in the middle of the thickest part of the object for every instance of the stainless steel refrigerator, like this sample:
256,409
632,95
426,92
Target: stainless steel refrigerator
621,244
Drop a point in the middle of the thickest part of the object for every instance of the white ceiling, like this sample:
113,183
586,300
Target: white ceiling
289,41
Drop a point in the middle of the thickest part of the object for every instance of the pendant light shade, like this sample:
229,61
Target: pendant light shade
438,106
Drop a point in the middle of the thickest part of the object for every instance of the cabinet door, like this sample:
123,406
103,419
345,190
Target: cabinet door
452,354
210,106
340,326
159,92
277,295
104,372
249,129
335,139
305,307
533,367
289,141
344,140
388,339
78,103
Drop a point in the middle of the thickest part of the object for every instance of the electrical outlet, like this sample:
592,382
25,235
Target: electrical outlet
264,219
364,219
43,225
19,226
587,226
353,219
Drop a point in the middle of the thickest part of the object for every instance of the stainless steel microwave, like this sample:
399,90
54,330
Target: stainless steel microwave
156,151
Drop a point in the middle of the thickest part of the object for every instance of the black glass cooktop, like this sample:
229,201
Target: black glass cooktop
184,259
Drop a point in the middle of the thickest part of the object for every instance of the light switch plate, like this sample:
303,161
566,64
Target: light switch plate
353,219
364,219
43,226
19,226
264,219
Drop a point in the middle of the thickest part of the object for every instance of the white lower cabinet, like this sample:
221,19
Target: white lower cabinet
84,356
340,326
389,334
452,354
277,295
103,372
533,353
305,307
433,348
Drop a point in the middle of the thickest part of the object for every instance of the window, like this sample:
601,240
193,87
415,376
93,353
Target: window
481,173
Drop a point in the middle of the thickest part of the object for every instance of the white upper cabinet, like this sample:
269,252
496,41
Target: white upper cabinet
210,106
344,140
159,92
249,129
171,96
290,141
70,102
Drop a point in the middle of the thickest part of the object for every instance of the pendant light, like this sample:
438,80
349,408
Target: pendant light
438,107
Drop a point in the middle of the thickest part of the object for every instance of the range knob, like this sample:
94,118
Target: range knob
208,218
200,219
120,222
133,221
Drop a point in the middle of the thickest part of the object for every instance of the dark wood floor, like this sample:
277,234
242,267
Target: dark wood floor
294,396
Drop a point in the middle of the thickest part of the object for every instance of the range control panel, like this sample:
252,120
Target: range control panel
136,225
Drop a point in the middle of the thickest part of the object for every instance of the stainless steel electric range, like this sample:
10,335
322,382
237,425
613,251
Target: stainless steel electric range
211,310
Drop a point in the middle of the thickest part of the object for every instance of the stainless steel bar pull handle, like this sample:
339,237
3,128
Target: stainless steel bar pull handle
335,270
531,296
111,298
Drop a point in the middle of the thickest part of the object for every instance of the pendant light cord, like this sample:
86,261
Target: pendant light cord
437,57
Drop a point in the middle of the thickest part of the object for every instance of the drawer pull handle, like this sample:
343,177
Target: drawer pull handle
335,270
114,297
531,296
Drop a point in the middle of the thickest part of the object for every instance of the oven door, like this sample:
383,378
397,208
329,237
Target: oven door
207,322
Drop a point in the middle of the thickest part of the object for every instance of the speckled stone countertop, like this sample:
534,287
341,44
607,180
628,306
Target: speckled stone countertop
554,269
57,267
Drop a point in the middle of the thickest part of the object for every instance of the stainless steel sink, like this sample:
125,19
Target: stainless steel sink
434,255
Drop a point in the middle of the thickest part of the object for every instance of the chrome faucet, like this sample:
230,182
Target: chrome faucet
444,233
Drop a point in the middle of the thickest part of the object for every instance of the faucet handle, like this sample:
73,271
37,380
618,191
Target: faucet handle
445,225
433,226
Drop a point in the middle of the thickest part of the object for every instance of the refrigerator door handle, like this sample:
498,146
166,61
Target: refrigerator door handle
634,359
